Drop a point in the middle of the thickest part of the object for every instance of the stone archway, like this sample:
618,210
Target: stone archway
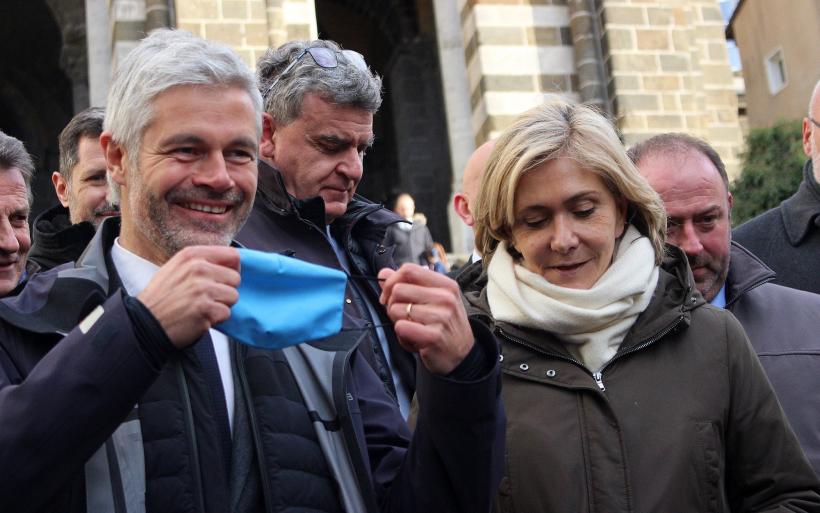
411,152
37,97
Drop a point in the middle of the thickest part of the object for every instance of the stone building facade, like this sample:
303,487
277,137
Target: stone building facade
458,71
778,41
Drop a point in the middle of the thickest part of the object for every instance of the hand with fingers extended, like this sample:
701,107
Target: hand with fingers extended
428,316
193,291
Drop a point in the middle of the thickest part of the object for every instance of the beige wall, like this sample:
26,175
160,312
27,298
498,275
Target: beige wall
759,27
248,26
670,72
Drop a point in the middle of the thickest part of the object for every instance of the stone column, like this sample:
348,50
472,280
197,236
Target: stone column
157,15
99,51
73,56
127,27
586,43
457,107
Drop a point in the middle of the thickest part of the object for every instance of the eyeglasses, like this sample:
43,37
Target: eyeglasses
815,123
324,58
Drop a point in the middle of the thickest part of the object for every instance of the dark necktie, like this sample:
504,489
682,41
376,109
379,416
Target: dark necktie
204,350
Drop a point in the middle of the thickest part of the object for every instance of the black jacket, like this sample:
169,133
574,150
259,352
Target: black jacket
68,394
783,326
55,240
787,237
281,224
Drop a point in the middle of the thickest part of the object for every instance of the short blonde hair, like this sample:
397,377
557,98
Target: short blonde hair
562,129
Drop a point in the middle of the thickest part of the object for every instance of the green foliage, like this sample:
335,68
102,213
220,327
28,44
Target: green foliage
772,170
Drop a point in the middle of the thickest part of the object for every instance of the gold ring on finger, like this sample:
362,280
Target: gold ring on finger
408,310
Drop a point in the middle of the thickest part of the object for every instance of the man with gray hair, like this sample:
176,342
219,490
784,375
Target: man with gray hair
320,101
107,396
117,393
16,170
62,232
782,323
787,237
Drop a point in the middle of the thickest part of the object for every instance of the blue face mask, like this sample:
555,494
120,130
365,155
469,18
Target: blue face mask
284,301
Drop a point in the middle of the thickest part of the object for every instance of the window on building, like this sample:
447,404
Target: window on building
776,71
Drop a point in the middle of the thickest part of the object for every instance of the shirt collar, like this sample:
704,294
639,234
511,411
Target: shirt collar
135,272
720,299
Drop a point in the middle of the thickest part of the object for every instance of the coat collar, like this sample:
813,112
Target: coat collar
746,272
54,300
802,211
674,298
271,194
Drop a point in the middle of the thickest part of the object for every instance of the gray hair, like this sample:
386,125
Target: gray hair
346,84
88,123
166,59
676,144
13,154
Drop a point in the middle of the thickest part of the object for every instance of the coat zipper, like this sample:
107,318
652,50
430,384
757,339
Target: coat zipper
189,422
599,380
599,375
257,440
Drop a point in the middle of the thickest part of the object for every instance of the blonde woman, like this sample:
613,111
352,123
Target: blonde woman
624,390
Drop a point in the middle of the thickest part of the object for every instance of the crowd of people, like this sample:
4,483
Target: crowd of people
608,347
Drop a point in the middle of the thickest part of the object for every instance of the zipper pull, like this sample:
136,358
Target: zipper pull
599,380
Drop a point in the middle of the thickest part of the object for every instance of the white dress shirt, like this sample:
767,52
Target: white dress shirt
135,272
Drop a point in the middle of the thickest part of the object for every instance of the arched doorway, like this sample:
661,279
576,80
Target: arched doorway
411,154
36,95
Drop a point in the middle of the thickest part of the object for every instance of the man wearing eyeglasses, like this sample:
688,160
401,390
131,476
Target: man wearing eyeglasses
319,103
787,238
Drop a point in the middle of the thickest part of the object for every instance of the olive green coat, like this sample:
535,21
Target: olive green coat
681,420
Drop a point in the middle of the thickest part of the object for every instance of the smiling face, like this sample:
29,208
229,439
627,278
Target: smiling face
197,172
320,153
697,208
566,223
15,241
86,197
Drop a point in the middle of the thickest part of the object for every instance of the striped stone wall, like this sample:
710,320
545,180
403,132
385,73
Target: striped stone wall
248,26
516,52
127,21
669,72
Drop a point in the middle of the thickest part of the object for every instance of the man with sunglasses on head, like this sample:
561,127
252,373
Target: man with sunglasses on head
319,103
787,237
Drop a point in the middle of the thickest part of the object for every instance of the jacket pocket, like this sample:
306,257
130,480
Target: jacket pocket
710,466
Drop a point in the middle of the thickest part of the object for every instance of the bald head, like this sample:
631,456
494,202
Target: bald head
811,132
464,201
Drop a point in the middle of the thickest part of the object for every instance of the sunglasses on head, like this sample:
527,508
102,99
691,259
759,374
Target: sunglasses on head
323,57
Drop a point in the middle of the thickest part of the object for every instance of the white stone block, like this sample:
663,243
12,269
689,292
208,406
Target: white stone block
129,10
526,60
521,15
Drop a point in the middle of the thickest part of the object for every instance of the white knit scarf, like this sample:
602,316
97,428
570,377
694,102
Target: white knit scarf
592,322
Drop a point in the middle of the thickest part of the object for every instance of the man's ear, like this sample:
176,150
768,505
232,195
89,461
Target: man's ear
729,199
60,187
807,128
462,208
267,145
114,158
